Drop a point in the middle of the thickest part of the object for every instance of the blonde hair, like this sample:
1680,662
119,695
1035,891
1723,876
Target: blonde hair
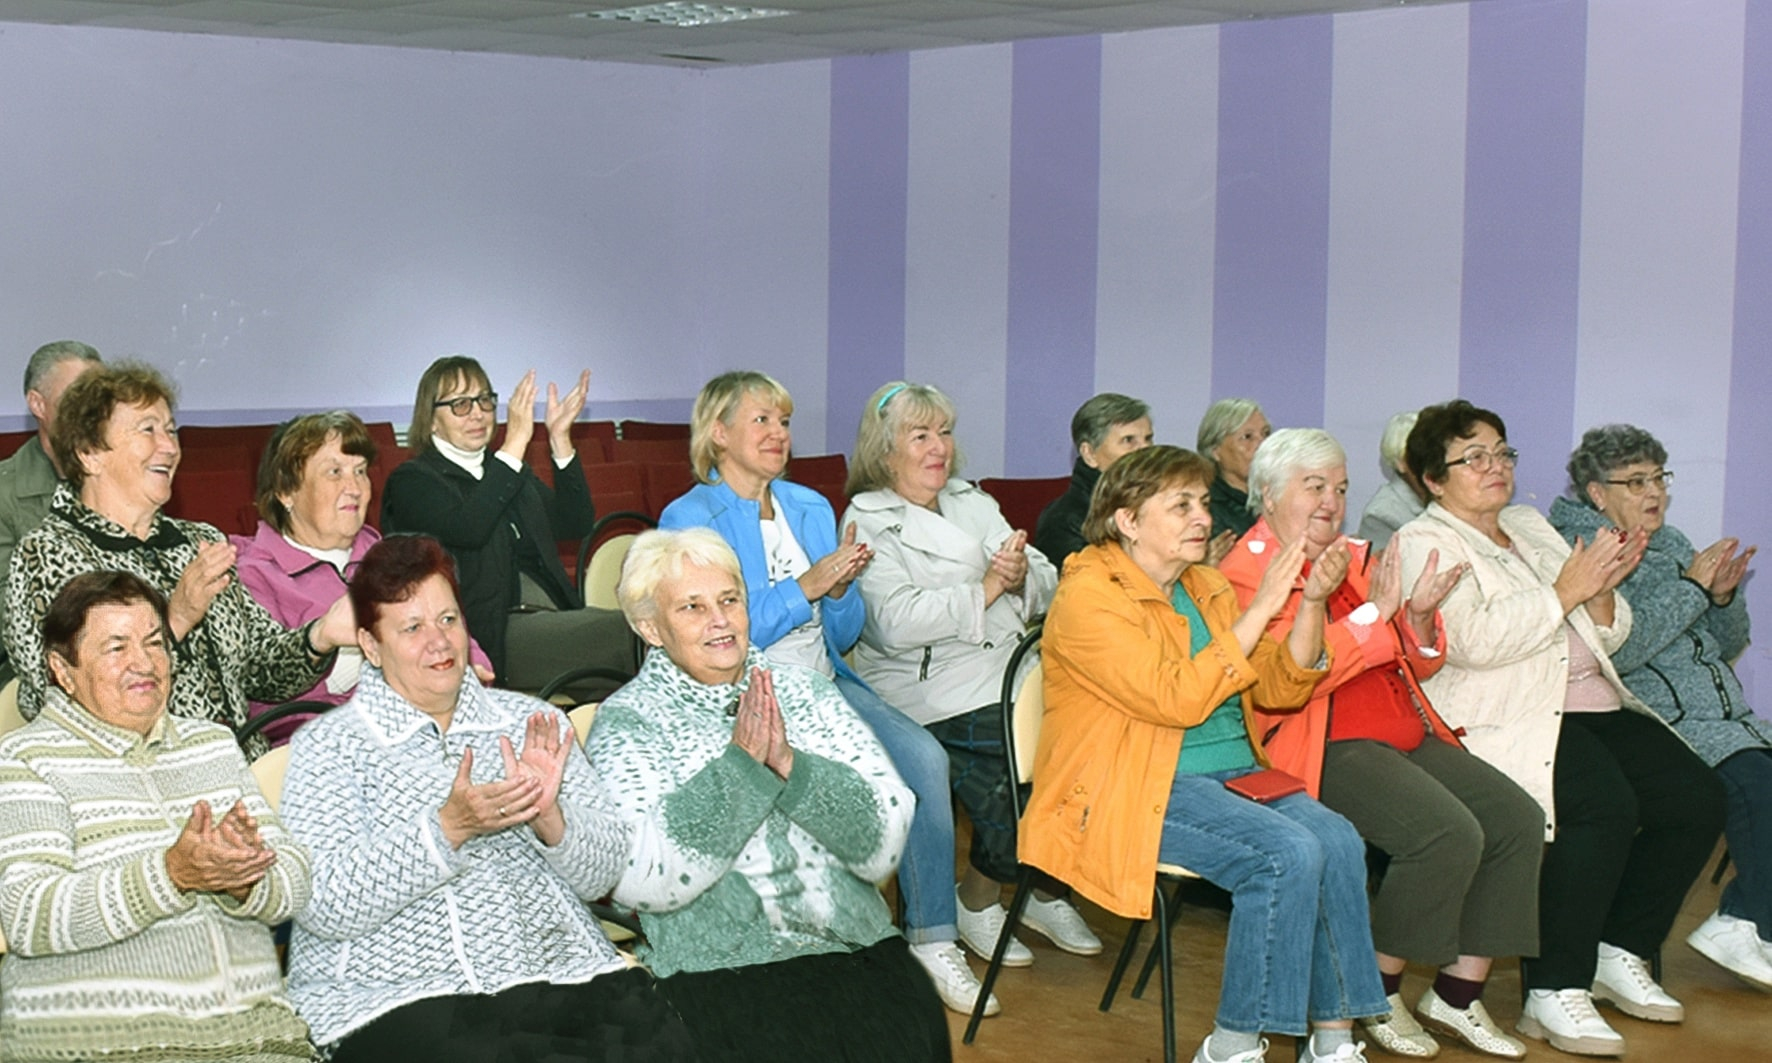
658,555
719,401
890,411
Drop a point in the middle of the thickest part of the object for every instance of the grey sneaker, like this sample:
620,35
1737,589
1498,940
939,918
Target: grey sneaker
1473,1026
979,932
953,977
1063,924
1398,1033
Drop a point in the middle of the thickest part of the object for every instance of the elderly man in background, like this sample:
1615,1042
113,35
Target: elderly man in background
1104,429
29,476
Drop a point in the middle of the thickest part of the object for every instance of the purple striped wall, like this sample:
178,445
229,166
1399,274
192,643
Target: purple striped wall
1054,174
1747,505
870,163
1270,295
1522,211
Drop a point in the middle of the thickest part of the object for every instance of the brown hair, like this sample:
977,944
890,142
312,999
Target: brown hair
78,597
1131,482
83,418
1435,429
442,373
285,461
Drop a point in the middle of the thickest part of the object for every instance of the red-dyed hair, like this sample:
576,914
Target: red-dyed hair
391,572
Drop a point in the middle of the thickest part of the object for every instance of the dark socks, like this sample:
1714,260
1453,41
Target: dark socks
1392,982
1461,993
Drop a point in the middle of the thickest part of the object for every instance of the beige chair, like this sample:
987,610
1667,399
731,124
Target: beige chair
603,571
1024,711
269,770
582,718
10,720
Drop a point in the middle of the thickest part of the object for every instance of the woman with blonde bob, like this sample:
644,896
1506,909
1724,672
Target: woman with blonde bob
950,593
1152,680
804,610
763,811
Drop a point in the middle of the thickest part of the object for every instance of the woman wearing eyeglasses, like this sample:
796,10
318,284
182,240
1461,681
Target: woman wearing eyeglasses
1690,621
1631,812
502,524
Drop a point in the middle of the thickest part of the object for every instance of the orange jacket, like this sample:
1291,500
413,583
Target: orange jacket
1122,688
1294,739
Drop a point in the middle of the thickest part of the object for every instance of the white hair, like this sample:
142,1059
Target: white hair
658,555
1396,437
1285,453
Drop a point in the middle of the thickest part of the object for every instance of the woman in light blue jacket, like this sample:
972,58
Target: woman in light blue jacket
804,611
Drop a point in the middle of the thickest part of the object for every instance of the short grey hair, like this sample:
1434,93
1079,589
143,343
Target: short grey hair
890,410
45,358
1222,418
1606,449
659,555
1282,455
1093,419
1396,437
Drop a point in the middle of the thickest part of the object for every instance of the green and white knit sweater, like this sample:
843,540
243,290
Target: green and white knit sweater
109,960
730,865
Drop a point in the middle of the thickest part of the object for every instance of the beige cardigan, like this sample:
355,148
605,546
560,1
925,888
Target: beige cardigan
1507,657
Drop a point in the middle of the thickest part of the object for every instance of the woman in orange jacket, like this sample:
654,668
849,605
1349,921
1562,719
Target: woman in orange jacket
1144,648
1464,840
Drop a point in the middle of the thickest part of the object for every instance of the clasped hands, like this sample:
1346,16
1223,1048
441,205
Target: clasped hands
528,793
831,575
225,856
759,729
1007,572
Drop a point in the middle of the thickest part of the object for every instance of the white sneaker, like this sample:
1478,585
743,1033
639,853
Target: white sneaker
979,932
953,978
1351,1052
1257,1054
1568,1020
1473,1026
1060,922
1735,945
1398,1033
1622,980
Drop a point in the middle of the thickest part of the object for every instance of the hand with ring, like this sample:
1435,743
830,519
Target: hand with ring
474,809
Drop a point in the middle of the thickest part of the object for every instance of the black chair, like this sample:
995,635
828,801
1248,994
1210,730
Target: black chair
573,676
280,712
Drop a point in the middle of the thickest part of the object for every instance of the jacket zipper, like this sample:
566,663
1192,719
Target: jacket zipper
923,669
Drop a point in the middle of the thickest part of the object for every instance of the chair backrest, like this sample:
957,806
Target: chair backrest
603,572
1023,703
268,771
582,718
651,449
1021,500
655,430
10,720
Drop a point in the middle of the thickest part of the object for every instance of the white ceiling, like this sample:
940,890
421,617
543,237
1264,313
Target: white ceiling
818,29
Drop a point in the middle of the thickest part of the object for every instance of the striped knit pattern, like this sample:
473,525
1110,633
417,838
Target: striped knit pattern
108,959
397,915
732,866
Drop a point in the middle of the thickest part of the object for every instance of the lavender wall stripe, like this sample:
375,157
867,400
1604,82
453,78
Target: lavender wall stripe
1522,228
1054,177
1270,299
870,137
1747,505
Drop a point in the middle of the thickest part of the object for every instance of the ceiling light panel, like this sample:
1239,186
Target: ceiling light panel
685,15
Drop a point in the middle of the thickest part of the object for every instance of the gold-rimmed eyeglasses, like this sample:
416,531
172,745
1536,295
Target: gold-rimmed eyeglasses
1636,485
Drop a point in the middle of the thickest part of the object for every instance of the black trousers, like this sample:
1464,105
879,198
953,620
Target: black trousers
1638,815
619,1017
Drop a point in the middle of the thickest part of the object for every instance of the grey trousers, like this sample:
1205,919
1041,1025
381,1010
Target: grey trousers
539,646
1464,841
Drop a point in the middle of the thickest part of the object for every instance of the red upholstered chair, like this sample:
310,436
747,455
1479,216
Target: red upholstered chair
654,430
1022,500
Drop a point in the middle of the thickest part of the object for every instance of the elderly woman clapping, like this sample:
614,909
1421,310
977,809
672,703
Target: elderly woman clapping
950,593
140,869
763,811
1463,839
1530,628
117,443
457,835
1689,622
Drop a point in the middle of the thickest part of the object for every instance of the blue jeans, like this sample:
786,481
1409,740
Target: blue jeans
926,870
1297,877
1747,784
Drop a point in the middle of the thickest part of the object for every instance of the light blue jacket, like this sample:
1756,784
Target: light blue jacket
776,609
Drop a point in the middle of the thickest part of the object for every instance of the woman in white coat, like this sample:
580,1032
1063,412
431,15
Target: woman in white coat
1632,812
949,595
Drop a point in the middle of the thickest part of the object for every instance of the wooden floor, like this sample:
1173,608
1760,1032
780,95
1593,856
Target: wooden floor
1049,1009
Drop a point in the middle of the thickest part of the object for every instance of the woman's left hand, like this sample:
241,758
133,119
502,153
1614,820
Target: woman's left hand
335,629
1010,563
562,411
1729,576
759,729
1431,588
831,574
1327,571
543,762
206,576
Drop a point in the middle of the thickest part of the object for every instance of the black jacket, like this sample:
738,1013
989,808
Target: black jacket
1059,533
496,527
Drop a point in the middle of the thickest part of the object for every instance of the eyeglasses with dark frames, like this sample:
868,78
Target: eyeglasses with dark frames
462,404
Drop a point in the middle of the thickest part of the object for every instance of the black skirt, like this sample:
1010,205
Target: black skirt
614,1018
875,1004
